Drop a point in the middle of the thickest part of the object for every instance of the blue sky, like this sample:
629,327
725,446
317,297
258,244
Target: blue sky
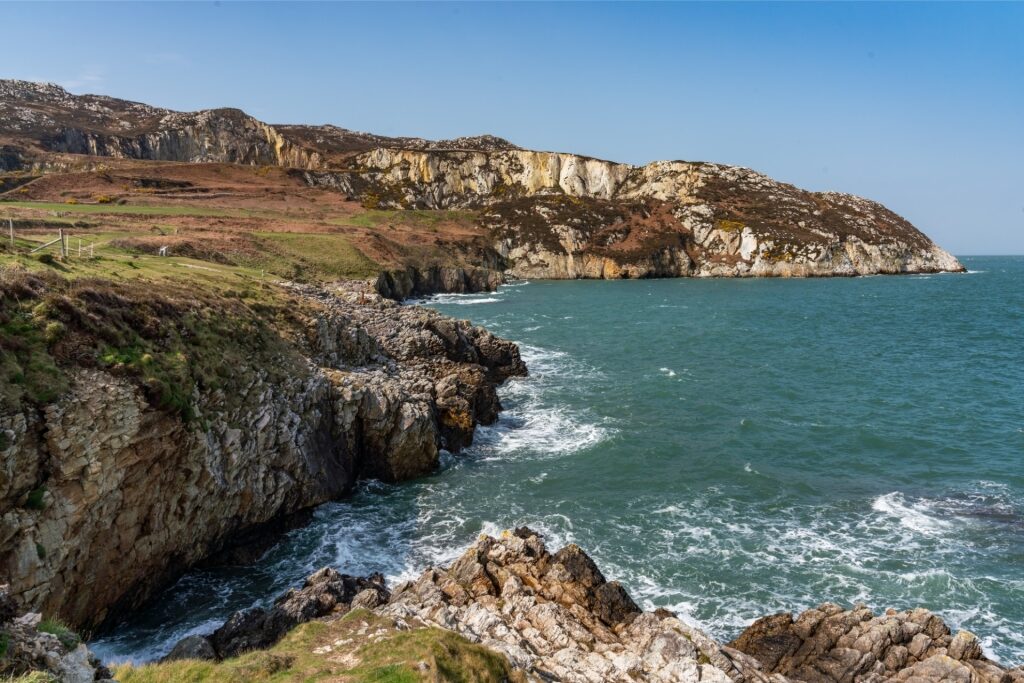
920,106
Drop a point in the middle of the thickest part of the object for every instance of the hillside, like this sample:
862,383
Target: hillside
400,203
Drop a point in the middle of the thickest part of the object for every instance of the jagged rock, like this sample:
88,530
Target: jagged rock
555,616
132,495
834,645
324,592
28,650
402,284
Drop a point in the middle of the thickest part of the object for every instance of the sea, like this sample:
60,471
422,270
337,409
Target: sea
726,448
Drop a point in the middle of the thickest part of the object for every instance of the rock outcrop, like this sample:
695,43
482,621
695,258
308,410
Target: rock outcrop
555,617
830,644
105,496
324,593
31,645
411,281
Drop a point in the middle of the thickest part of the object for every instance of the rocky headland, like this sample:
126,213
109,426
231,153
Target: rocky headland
150,431
536,214
205,381
553,616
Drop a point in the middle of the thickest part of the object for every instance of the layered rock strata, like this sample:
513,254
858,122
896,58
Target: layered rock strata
106,497
555,617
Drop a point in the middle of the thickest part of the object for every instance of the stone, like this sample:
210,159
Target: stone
325,592
834,645
191,647
556,616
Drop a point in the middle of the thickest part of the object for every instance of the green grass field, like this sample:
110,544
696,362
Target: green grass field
313,256
131,209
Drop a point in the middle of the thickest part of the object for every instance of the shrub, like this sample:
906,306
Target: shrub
47,259
53,332
71,200
103,199
40,551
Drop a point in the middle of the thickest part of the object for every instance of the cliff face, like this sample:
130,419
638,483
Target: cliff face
107,494
564,216
42,119
45,119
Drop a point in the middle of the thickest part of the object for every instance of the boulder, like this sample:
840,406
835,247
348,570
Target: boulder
191,647
325,592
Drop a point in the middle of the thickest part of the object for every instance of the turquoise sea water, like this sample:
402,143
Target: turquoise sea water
725,448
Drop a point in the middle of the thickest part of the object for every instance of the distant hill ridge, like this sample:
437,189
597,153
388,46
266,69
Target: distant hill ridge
545,214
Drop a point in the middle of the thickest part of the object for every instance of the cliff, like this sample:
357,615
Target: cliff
539,214
564,216
553,616
146,428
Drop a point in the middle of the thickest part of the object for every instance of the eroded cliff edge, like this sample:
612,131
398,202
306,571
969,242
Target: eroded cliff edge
150,426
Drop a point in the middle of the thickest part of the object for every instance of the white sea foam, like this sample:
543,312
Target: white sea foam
457,298
532,422
668,372
451,299
918,516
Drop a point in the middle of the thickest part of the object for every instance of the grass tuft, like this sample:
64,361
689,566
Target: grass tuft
64,633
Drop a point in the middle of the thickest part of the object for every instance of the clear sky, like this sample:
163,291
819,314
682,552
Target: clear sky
919,106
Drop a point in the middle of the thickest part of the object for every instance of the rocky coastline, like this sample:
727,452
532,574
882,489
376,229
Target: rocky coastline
553,616
108,495
151,430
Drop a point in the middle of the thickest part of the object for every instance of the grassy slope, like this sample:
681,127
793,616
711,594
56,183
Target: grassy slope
171,324
130,209
236,215
359,648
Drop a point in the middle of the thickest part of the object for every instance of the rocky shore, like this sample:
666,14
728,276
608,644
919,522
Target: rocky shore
110,490
553,616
